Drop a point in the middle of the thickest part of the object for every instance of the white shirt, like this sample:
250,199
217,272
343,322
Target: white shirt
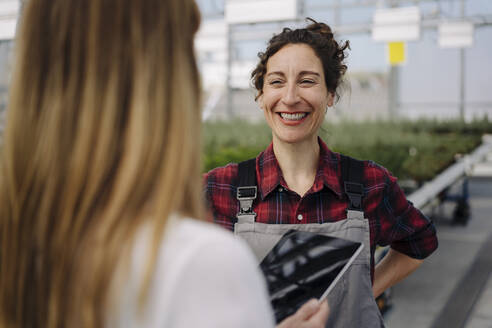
204,277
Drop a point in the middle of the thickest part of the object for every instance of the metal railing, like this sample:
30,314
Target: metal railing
430,190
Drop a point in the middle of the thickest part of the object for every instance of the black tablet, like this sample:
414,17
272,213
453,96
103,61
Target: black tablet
305,265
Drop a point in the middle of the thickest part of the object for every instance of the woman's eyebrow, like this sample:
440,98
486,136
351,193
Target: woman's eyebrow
276,73
309,73
300,73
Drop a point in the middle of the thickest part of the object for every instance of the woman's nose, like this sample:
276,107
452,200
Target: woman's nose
291,95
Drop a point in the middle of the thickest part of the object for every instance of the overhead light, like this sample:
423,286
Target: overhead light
458,34
9,12
256,11
396,24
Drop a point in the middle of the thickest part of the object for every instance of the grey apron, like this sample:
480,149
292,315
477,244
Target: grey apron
352,303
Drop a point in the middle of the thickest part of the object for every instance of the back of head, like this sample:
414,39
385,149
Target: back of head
320,38
102,137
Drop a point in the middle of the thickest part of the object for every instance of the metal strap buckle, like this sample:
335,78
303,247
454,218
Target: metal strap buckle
245,193
246,196
355,192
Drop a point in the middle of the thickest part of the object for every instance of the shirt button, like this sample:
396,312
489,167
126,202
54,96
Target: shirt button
299,217
280,189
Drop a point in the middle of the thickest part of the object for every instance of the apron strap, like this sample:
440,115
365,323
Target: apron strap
352,174
246,190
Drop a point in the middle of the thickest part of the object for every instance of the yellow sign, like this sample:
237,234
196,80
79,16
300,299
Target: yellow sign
396,53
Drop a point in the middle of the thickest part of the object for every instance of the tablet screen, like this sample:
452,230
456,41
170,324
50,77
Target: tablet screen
305,265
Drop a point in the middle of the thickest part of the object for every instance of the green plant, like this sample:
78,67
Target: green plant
416,150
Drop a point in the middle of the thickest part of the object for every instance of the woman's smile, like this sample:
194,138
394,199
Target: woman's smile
293,118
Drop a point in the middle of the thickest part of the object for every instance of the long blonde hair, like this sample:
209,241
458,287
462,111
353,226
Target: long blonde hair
102,137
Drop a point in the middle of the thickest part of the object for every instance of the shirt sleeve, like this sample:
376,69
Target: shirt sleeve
220,196
405,228
221,287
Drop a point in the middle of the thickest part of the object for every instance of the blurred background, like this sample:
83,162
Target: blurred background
416,99
439,70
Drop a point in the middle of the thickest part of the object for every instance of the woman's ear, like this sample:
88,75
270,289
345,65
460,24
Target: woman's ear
331,99
260,101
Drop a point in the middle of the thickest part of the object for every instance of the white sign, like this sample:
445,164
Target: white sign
9,11
212,36
396,24
256,11
455,34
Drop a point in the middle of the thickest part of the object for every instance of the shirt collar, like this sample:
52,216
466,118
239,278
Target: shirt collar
328,173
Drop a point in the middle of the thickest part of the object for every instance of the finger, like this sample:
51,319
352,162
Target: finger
319,318
287,323
308,309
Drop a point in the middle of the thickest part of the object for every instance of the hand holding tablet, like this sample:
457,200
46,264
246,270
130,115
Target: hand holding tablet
312,314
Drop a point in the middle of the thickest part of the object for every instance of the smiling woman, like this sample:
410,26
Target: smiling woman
303,185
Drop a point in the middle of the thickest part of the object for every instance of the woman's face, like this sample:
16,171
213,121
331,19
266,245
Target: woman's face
295,97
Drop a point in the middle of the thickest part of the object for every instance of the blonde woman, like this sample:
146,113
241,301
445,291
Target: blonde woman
100,171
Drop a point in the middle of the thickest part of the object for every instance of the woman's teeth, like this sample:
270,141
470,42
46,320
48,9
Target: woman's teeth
293,116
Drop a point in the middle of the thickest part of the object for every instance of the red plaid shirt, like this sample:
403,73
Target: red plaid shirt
392,218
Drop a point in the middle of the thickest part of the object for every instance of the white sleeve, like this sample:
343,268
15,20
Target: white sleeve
220,287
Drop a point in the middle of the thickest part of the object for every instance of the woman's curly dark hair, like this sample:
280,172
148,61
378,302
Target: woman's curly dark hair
319,37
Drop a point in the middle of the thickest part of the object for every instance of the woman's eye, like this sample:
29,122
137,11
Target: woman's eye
307,81
273,82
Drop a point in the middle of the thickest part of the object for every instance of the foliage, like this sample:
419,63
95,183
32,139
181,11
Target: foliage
415,150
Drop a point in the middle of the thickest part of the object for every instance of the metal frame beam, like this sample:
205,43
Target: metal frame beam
260,32
431,189
372,3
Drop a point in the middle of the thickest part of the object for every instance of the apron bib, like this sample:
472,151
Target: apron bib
351,302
